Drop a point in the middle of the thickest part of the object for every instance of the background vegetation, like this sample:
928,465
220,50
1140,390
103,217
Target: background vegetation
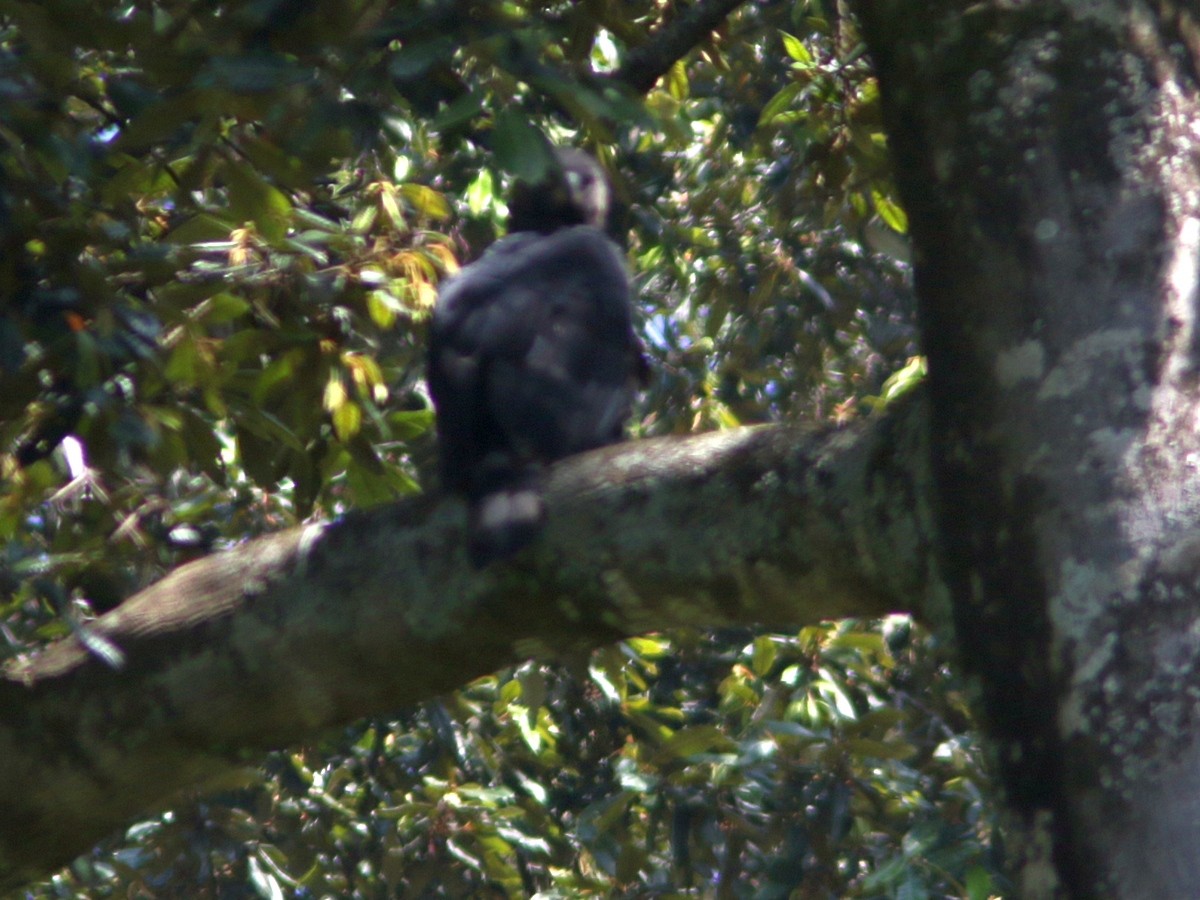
222,226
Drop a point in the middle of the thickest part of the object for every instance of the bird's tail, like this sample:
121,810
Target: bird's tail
505,517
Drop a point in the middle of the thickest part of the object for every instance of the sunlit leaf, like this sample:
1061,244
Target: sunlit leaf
390,205
890,211
481,193
335,394
383,308
347,419
650,646
676,81
364,219
797,51
426,201
764,654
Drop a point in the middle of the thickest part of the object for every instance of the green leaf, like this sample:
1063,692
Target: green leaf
278,374
88,358
311,220
519,147
264,883
533,686
364,219
259,457
224,307
391,209
676,81
426,200
383,308
688,742
199,229
864,747
481,193
865,642
251,199
347,420
134,178
181,365
912,889
794,47
203,446
764,655
650,647
417,58
979,883
890,211
779,104
268,427
461,110
901,382
408,424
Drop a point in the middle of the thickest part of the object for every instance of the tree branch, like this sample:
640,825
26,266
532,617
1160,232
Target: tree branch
261,646
649,62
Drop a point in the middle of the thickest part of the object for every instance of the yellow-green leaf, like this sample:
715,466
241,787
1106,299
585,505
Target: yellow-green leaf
764,655
426,201
890,211
364,220
481,193
224,307
382,307
901,382
347,420
387,201
795,48
181,366
335,395
676,81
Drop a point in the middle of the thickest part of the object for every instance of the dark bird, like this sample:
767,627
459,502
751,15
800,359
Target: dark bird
532,354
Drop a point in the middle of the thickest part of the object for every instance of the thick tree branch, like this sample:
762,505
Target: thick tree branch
262,646
649,62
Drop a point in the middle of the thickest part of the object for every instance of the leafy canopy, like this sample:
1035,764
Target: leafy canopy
222,226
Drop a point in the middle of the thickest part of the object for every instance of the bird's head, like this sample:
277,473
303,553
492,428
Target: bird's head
574,191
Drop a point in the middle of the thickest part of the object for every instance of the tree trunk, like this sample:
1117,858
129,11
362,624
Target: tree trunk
1048,156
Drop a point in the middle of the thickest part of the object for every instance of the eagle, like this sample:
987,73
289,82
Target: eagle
532,354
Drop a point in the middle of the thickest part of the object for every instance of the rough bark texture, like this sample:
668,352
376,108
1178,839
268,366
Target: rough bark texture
1048,156
266,644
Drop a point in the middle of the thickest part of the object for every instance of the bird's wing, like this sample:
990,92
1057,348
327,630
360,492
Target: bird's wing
532,351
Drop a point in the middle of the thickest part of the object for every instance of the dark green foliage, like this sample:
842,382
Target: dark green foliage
221,230
830,761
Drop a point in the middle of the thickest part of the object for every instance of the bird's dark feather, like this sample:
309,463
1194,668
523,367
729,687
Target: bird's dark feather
532,357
